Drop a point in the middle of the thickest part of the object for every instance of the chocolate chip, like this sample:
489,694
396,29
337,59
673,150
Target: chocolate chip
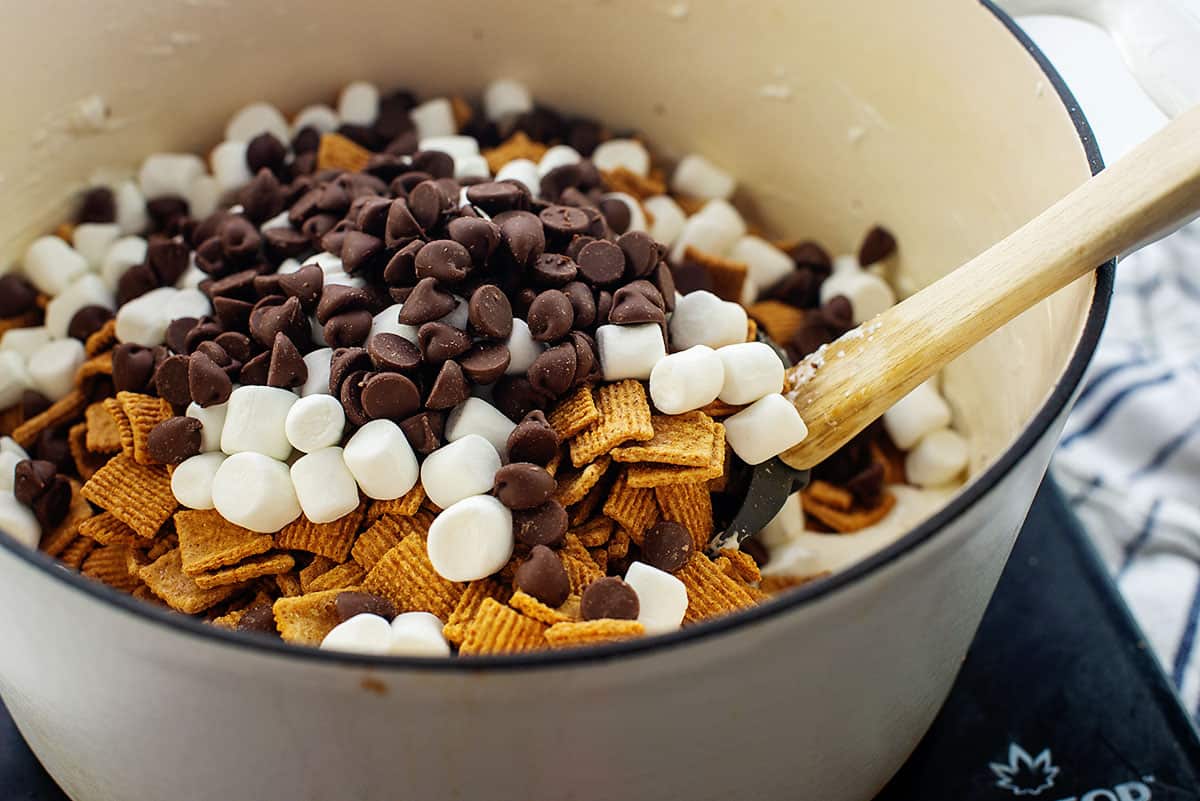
810,254
434,162
427,302
339,298
559,179
490,313
495,197
240,240
550,316
800,288
215,352
33,403
443,259
583,304
31,478
168,258
479,237
393,352
171,381
174,440
604,303
544,525
876,246
601,262
287,318
533,440
232,313
236,285
523,485
305,285
667,546
838,314
17,296
587,363
87,321
553,371
631,307
401,269
317,226
287,368
166,212
235,344
206,382
353,602
609,598
641,253
390,396
351,397
360,251
133,367
393,119
52,446
285,243
577,244
254,372
344,362
522,235
563,222
424,431
585,135
135,282
425,204
259,618
439,342
99,205
449,387
553,270
200,332
348,330
867,485
617,214
402,226
485,362
515,397
690,277
262,198
51,506
542,575
756,551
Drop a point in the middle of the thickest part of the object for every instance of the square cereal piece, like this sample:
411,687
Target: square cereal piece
404,506
742,564
102,433
600,557
778,583
721,482
65,410
660,475
96,367
138,495
710,591
592,632
633,508
780,320
532,607
847,522
104,338
586,509
208,542
107,564
345,576
623,179
498,629
144,412
166,579
333,540
719,409
517,146
56,540
595,532
337,152
406,577
86,462
826,494
311,571
121,421
574,485
691,506
271,564
885,452
573,413
624,415
74,554
106,529
682,439
306,619
727,275
580,571
288,585
468,605
618,546
373,543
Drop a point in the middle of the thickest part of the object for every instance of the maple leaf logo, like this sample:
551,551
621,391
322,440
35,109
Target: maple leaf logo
1025,775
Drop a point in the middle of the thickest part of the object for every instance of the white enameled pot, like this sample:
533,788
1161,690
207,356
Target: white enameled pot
936,118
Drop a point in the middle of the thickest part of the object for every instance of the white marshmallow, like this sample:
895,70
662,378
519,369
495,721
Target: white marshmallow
915,415
628,153
289,266
937,459
318,363
701,318
459,470
24,341
766,265
386,322
254,491
630,351
454,145
523,349
280,220
52,265
143,320
14,378
18,522
229,165
328,262
256,118
668,218
522,170
471,539
131,207
121,255
471,166
255,421
9,445
192,481
504,97
344,279
318,332
192,276
320,117
786,525
698,177
749,293
418,634
765,428
212,423
169,174
52,367
434,118
752,370
714,229
361,634
557,156
86,290
637,220
358,104
11,454
92,241
188,303
324,485
381,460
476,416
315,423
203,196
686,380
792,559
868,294
662,598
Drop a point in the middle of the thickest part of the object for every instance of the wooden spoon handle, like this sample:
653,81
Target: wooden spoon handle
1152,190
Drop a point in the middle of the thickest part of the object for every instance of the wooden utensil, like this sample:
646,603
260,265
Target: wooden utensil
1152,190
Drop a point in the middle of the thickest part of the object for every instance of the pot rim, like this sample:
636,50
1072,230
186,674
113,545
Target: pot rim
597,655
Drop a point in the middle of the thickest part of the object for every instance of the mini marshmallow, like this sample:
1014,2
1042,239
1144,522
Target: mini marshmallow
344,279
637,220
14,378
915,415
255,421
696,176
792,559
714,229
765,428
937,459
229,166
749,293
315,423
766,265
358,104
522,170
523,349
92,241
361,634
387,322
52,367
18,522
51,264
434,118
86,290
630,351
504,98
686,380
459,470
701,318
418,634
289,266
318,332
328,262
669,219
24,340
121,255
454,146
11,454
280,220
786,525
476,416
628,153
131,207
324,485
212,423
752,370
203,196
471,539
256,118
192,481
868,294
143,320
472,166
557,156
318,364
319,117
188,303
169,174
381,460
254,491
192,276
662,598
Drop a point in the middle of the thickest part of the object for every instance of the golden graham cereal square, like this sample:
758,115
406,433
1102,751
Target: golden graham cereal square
573,413
592,632
659,475
333,540
624,415
468,606
208,541
270,564
138,495
710,591
406,577
691,506
166,579
681,439
498,629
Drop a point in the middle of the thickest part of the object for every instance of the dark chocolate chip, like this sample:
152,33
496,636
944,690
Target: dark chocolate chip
522,235
439,342
31,479
236,285
99,205
486,362
351,397
305,285
168,258
533,440
135,282
373,215
393,352
215,352
515,397
348,329
587,363
800,288
171,380
667,545
390,396
259,618
609,598
434,162
449,388
17,296
426,303
553,371
235,344
490,312
604,304
523,485
344,362
756,551
401,227
231,313
133,367
443,259
550,316
401,269
265,152
424,431
631,307
316,226
563,222
287,318
577,244
810,254
339,298
495,197
543,576
393,119
262,198
425,204
617,214
867,485
240,240
360,251
285,243
33,403
553,270
641,253
601,262
583,303
167,212
479,237
353,602
585,135
287,368
207,383
876,246
174,440
664,282
52,446
87,321
544,525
